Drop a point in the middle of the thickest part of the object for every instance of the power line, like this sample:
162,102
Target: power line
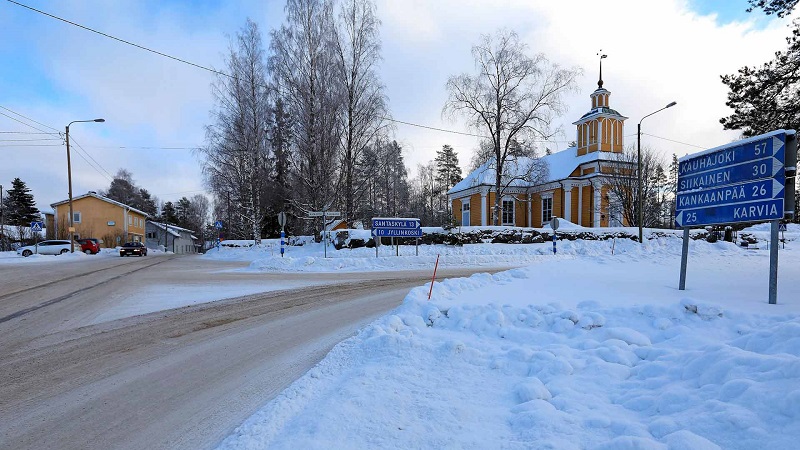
28,119
30,145
677,142
122,40
217,72
144,148
25,132
17,120
29,140
109,176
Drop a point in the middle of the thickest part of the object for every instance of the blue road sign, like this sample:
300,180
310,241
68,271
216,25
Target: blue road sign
740,182
768,189
397,232
395,223
738,212
36,226
752,170
760,147
394,227
218,224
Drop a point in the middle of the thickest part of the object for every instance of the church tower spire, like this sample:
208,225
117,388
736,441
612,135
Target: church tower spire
601,128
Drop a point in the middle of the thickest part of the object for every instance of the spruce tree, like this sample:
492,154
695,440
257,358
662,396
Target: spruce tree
21,208
448,172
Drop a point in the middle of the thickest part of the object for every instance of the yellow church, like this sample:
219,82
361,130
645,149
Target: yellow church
575,187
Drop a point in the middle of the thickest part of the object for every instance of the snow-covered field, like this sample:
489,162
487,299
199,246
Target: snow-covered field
584,350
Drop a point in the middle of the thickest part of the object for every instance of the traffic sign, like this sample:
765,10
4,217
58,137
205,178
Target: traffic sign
324,213
282,219
218,224
554,223
782,227
739,182
739,212
397,232
760,147
36,226
396,227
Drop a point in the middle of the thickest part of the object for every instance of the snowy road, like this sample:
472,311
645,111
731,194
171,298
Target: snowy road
178,378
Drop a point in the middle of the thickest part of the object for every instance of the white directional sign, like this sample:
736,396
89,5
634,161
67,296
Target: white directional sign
740,182
324,213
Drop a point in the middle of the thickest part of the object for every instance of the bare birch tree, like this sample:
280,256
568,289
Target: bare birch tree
513,97
358,53
236,155
622,184
304,66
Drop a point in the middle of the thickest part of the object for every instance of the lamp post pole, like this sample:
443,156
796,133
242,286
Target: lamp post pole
69,181
639,196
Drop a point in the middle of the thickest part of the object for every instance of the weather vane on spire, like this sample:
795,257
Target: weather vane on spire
601,55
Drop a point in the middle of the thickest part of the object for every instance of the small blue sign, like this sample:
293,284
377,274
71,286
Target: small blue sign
737,212
395,223
760,147
737,193
36,226
771,167
397,232
218,224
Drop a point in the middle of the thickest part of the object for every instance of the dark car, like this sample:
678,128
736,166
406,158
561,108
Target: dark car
133,248
90,246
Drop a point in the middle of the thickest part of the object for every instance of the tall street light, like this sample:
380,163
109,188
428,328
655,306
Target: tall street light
639,200
69,180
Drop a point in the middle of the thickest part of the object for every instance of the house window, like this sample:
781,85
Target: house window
547,209
130,220
76,217
508,212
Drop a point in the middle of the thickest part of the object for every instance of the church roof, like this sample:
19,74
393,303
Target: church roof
560,165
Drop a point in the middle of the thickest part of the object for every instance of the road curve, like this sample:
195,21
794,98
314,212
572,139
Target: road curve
177,379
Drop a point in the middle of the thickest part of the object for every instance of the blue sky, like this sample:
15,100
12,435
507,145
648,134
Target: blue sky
659,51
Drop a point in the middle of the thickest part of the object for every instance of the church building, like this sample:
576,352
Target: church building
575,187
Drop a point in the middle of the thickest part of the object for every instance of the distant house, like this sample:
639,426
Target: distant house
576,187
95,216
171,238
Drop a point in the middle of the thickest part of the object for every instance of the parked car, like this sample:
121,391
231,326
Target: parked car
51,247
90,246
133,248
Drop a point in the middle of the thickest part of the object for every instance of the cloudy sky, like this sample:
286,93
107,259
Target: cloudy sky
156,108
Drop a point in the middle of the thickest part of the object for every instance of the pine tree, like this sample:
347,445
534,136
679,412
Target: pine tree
21,208
169,213
766,98
448,172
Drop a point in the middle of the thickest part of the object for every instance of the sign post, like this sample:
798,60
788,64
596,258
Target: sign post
218,226
282,223
554,225
324,214
36,227
744,181
396,227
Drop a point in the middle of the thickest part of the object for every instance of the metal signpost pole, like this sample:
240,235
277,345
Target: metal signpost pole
684,259
324,234
282,223
773,263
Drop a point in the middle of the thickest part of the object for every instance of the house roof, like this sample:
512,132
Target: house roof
100,197
560,165
171,229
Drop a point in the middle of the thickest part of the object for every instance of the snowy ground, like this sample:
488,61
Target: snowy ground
580,350
583,350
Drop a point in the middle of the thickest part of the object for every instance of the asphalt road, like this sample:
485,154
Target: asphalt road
177,379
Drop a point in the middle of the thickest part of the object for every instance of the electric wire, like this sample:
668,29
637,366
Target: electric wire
17,120
107,174
28,118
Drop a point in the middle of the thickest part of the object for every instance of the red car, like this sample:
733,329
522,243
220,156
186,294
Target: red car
133,248
90,246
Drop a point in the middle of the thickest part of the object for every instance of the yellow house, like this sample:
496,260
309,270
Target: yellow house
95,216
572,186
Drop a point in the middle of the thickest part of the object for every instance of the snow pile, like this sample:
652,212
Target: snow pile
589,352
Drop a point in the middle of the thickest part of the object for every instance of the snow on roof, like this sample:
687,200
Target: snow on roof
560,166
100,197
173,229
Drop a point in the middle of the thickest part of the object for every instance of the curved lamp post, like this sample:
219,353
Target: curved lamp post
639,201
69,180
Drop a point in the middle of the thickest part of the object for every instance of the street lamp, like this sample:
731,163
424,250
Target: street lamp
639,200
69,180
